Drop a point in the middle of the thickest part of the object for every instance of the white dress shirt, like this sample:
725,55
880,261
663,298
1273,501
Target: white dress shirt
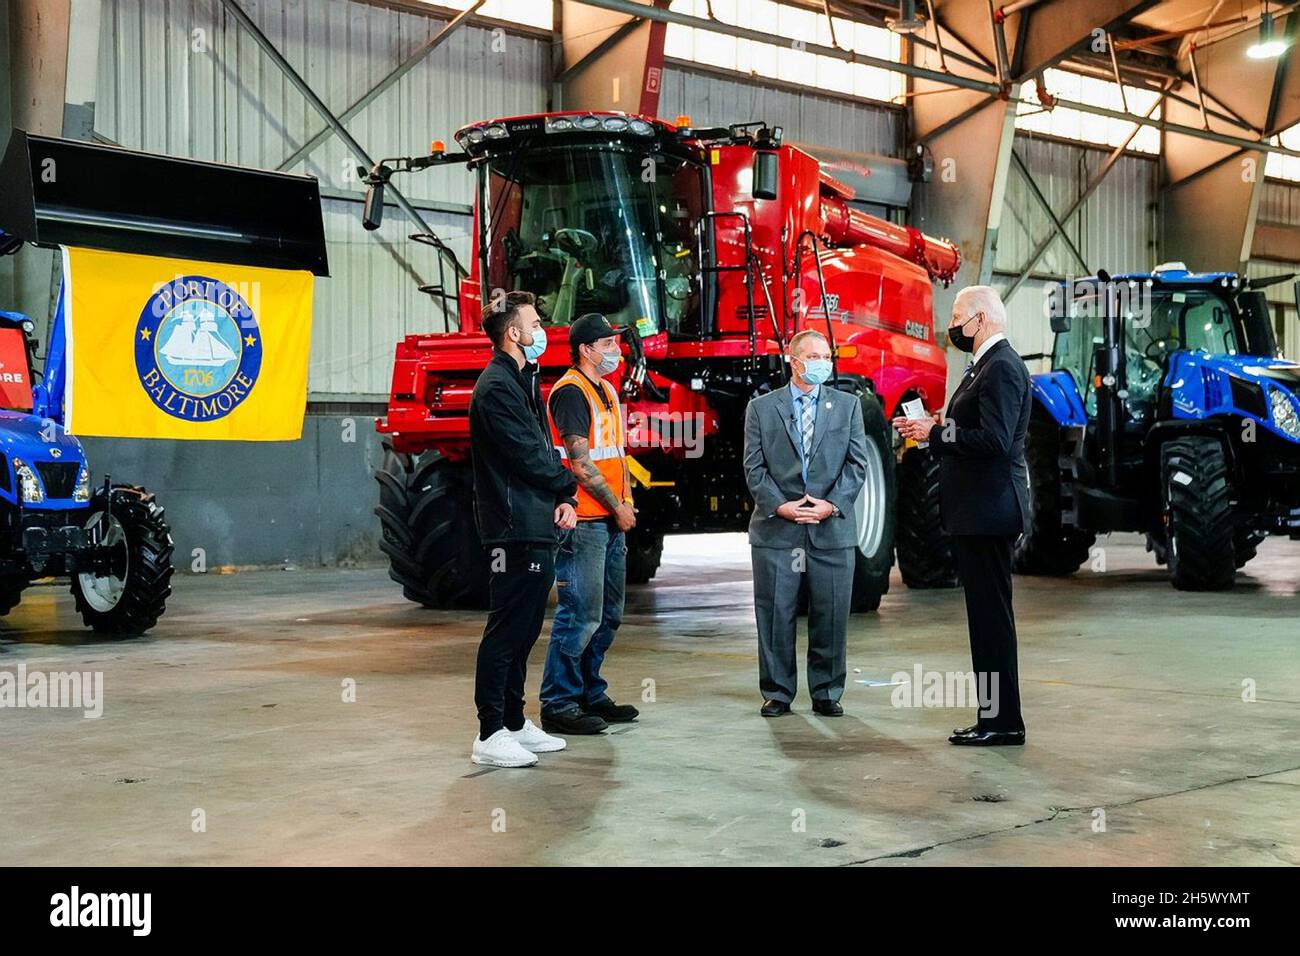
991,341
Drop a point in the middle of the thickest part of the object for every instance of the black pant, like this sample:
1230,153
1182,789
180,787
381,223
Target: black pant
519,583
984,564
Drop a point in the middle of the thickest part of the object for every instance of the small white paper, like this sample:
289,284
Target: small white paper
915,410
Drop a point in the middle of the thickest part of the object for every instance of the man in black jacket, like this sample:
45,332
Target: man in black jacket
984,501
522,495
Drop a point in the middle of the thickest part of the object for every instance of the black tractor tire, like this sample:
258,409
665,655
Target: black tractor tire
1049,548
1245,546
11,592
129,599
924,549
875,510
1201,527
645,549
426,517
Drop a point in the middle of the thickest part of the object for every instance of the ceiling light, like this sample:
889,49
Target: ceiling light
907,20
1269,45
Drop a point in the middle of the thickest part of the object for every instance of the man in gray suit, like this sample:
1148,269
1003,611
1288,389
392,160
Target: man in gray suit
805,463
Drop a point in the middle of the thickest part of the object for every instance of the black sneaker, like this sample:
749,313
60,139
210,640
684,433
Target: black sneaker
613,713
573,722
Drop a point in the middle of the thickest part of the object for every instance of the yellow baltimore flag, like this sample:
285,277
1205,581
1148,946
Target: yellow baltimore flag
172,348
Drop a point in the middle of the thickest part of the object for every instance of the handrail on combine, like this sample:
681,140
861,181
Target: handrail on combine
439,291
375,179
752,269
821,281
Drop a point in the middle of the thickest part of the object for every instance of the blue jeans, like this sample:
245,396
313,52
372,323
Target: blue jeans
590,573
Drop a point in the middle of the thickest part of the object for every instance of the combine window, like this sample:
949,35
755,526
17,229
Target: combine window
596,230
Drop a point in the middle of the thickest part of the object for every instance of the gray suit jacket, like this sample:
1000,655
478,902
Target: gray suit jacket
774,468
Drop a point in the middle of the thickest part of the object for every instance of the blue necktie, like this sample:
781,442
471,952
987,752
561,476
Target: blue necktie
806,426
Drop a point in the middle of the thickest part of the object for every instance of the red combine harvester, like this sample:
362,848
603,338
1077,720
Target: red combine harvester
711,247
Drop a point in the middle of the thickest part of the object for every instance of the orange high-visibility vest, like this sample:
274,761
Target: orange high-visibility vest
606,441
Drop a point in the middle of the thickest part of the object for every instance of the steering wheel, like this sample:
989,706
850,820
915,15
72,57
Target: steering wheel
1160,345
575,242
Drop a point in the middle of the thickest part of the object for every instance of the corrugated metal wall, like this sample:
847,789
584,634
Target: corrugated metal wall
181,77
710,99
1114,230
1280,203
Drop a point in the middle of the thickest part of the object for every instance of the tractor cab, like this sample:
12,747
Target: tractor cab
1157,315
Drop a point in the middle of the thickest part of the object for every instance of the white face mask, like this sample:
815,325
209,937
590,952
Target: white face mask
609,361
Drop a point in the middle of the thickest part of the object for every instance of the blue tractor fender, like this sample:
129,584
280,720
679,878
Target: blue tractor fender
1058,395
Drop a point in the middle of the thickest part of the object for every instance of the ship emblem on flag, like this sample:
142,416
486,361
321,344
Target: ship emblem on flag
197,349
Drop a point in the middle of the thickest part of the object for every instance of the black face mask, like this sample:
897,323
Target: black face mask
959,339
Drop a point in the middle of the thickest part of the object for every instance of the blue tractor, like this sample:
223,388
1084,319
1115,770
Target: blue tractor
1169,412
111,540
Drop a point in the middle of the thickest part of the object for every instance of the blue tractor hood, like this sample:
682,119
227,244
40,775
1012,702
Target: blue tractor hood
32,437
1265,390
54,457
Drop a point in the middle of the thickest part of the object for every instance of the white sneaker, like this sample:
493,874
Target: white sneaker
502,750
536,740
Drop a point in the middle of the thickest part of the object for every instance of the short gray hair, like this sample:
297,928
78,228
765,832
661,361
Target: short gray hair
800,337
983,298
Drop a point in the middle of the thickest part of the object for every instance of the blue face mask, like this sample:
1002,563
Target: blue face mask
534,352
609,361
816,371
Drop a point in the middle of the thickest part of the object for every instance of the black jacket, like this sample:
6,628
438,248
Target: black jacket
518,476
983,480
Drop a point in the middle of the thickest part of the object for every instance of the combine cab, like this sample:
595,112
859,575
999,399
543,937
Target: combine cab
711,247
1167,412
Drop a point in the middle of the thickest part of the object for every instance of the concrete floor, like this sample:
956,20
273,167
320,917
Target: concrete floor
233,706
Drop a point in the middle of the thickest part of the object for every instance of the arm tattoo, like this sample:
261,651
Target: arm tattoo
588,475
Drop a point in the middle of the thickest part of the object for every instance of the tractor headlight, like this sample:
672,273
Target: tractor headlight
561,124
496,131
1284,413
83,485
641,127
615,124
28,483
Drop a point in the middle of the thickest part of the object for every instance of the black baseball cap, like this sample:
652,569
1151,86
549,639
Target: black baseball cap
590,327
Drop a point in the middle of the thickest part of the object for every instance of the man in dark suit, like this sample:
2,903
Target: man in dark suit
805,464
984,501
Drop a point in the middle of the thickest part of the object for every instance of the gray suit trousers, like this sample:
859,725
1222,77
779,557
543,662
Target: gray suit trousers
776,605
